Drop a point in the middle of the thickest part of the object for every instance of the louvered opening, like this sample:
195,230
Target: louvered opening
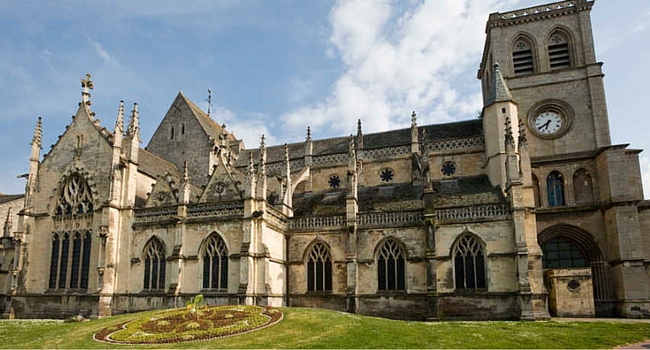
558,55
523,62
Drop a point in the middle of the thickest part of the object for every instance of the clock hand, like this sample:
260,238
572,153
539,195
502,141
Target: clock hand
545,125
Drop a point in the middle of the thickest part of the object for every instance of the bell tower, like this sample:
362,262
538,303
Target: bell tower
546,56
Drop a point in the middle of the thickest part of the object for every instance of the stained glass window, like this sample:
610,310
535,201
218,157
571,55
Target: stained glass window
469,263
154,265
391,266
319,269
215,263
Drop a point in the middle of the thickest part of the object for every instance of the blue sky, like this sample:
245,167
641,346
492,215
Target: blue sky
277,66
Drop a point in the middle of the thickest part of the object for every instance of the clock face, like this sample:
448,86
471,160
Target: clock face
548,123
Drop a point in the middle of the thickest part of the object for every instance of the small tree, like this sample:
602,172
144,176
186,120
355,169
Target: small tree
193,305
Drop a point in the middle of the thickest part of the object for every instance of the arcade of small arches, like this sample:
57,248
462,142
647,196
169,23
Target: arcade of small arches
557,189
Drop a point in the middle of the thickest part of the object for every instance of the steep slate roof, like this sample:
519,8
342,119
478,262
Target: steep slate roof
4,198
211,127
393,138
499,91
153,165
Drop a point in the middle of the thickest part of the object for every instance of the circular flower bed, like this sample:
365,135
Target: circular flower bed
180,325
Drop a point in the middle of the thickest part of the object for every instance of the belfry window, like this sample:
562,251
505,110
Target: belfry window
391,266
558,51
215,263
469,263
154,265
555,189
319,269
522,57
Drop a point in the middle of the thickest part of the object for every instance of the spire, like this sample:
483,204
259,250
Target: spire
87,85
37,140
359,135
499,91
134,124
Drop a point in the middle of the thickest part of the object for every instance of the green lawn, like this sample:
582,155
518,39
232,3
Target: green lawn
313,328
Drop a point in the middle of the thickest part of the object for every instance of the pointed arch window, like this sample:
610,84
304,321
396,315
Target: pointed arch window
536,191
391,266
154,265
559,55
319,269
215,263
75,198
522,57
469,263
583,187
555,189
70,268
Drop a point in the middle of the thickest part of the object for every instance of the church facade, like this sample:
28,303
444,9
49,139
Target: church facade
528,211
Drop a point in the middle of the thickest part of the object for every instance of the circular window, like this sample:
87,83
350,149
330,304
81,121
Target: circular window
334,181
387,175
573,285
448,168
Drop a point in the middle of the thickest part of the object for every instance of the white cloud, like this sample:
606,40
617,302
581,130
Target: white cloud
102,53
395,62
249,129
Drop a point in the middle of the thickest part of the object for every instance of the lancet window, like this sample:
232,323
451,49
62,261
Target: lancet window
391,266
154,265
70,261
555,189
215,263
522,57
469,263
319,269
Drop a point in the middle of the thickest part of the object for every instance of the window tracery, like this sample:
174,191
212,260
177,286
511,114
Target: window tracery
391,266
154,265
319,269
469,263
75,198
215,263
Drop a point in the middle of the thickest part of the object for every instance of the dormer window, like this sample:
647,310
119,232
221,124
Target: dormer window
522,57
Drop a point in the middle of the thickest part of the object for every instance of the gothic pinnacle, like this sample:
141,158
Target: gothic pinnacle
134,123
119,123
522,134
414,119
308,133
38,133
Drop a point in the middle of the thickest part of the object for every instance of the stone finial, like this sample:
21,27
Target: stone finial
509,138
308,133
414,122
522,134
8,227
251,164
134,124
87,85
119,123
286,153
262,166
359,135
37,140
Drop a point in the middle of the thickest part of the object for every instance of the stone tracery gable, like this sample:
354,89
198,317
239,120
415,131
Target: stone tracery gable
75,187
225,184
164,192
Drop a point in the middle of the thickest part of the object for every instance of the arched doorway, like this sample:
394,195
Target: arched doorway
578,248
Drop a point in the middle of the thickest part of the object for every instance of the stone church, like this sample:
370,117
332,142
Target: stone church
526,212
